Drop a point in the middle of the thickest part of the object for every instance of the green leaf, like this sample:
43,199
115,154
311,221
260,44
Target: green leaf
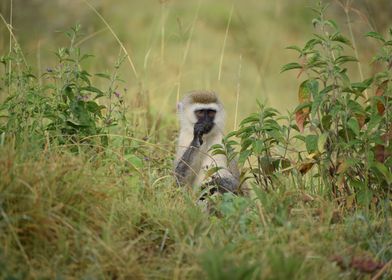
304,91
327,89
326,122
218,152
332,24
251,118
94,108
258,147
321,142
338,37
353,125
290,66
296,48
85,56
381,168
375,120
216,146
103,75
345,58
244,156
134,160
361,86
375,35
93,89
246,143
311,142
355,107
211,171
313,42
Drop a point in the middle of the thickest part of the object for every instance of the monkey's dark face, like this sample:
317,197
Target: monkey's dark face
205,120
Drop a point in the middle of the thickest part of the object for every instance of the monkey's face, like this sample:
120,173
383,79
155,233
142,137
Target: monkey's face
205,119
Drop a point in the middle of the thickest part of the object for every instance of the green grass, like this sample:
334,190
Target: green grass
92,211
73,216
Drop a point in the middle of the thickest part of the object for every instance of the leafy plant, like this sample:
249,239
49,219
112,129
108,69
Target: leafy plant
263,144
338,127
63,105
346,130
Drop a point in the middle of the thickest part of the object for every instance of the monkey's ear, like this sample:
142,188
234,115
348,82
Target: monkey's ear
180,107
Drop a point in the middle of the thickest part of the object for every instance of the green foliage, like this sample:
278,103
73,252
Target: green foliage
62,105
219,266
346,129
261,137
338,127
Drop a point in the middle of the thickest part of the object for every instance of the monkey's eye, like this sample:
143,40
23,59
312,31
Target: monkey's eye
199,114
211,113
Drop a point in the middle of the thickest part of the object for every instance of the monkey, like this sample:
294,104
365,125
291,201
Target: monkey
202,119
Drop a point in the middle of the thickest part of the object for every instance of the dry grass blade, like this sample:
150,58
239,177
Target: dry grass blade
115,36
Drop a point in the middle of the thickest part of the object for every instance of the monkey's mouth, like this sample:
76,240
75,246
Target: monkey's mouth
208,127
204,127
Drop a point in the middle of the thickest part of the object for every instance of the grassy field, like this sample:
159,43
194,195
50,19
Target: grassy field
98,201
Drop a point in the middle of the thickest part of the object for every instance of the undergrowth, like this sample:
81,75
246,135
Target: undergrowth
85,194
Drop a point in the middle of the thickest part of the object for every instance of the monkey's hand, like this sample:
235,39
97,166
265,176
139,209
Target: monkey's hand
218,184
200,129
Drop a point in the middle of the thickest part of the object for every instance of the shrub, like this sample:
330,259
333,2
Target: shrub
62,106
338,127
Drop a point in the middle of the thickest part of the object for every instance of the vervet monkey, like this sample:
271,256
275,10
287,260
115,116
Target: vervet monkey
202,120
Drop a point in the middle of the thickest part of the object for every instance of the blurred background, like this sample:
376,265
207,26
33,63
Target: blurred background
177,46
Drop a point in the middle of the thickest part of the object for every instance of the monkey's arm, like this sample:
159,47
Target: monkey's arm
184,169
186,165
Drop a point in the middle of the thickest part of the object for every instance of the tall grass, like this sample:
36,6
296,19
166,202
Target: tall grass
97,199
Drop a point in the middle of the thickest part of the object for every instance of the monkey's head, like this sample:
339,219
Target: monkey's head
203,109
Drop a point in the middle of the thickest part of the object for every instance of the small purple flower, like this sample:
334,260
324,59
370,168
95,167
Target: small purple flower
117,94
